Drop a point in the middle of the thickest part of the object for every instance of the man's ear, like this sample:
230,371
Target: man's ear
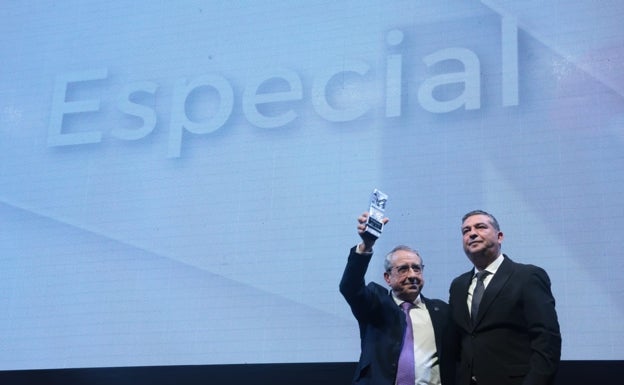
387,277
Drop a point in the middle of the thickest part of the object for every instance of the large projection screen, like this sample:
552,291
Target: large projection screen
180,181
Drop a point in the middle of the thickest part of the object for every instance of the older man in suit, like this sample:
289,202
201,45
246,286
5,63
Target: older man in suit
504,313
389,319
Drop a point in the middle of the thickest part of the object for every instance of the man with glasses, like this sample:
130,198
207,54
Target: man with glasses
403,334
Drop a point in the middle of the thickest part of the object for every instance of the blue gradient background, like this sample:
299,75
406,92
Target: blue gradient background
118,253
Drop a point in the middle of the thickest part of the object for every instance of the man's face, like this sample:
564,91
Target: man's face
482,242
405,278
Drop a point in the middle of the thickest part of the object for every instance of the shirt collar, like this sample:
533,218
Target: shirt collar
492,267
398,301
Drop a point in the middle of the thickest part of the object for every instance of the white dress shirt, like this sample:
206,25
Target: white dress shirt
491,268
425,352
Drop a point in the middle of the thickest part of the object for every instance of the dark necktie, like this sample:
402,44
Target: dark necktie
405,373
477,295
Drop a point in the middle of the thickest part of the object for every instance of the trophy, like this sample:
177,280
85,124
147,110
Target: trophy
374,225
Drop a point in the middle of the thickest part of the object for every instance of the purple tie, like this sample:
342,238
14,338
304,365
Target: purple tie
406,374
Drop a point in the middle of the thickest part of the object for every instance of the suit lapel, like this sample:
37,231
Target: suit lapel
436,320
434,311
499,280
460,298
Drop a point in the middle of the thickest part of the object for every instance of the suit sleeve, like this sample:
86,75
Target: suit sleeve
543,328
352,285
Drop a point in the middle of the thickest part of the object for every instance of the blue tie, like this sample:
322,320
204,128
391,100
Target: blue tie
406,374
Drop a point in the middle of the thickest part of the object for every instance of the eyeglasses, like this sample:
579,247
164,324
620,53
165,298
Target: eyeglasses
404,269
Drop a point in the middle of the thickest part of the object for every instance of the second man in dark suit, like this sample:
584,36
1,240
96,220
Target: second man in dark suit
507,330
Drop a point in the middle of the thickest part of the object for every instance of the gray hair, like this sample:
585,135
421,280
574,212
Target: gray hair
388,257
493,220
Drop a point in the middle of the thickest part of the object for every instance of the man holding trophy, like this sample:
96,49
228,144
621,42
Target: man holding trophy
403,334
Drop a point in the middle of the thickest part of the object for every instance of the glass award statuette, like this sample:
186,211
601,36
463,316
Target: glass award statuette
374,225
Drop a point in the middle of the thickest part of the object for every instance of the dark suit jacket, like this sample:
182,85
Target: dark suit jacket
515,338
382,324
